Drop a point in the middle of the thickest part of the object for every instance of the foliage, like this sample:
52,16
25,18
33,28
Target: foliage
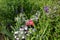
47,26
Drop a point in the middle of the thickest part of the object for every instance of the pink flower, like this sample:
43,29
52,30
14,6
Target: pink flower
30,23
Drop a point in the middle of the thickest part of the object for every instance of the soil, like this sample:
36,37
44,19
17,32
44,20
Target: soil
1,36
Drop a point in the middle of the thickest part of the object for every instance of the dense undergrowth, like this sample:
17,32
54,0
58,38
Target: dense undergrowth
47,26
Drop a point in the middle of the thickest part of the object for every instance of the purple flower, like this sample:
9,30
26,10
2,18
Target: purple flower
46,9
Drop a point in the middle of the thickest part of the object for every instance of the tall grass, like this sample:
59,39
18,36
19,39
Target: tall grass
47,26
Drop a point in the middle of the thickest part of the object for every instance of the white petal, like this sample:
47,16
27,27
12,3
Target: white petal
26,28
16,32
22,32
17,38
21,29
14,36
23,37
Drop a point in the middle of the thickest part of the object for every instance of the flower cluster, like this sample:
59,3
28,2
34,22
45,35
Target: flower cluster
23,32
27,28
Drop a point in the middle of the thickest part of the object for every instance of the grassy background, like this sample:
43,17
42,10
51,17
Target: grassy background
48,25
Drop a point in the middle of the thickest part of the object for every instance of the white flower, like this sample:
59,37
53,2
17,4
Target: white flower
16,32
26,27
25,32
37,13
21,32
36,18
17,38
21,29
23,37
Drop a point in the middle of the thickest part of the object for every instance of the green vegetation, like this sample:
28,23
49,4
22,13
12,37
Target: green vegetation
48,24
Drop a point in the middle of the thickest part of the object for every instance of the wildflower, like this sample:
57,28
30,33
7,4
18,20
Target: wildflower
26,32
21,29
21,32
25,28
17,38
30,23
37,13
46,9
23,37
16,32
